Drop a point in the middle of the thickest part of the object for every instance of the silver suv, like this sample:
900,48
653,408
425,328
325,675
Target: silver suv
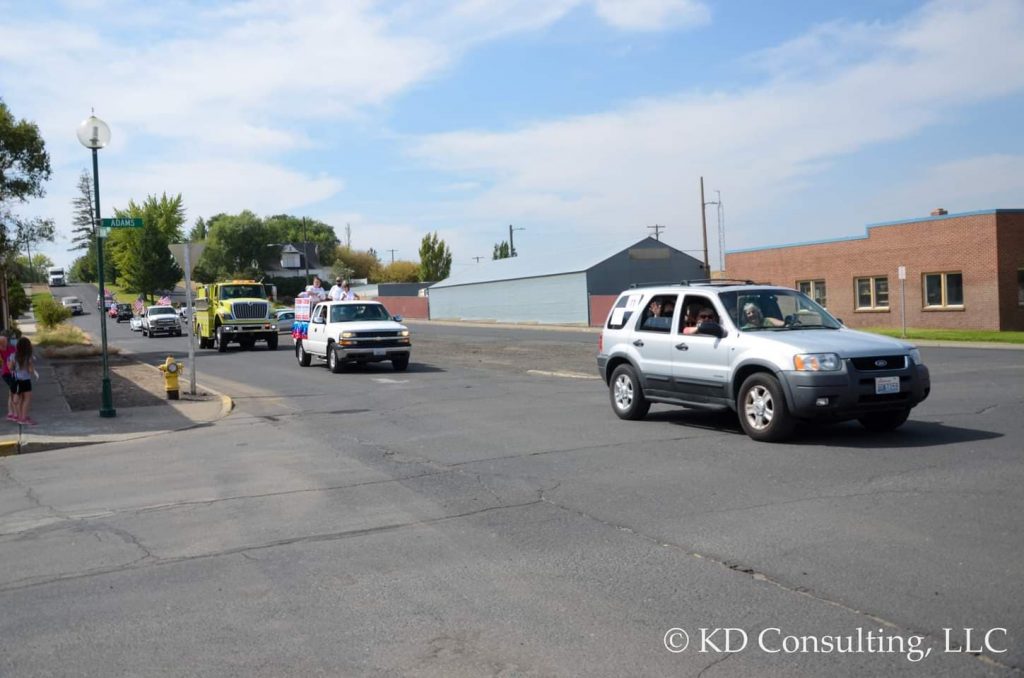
769,353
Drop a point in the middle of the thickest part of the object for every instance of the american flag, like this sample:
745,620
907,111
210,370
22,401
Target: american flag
138,306
164,301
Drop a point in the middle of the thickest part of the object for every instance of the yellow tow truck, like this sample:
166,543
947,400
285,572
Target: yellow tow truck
234,311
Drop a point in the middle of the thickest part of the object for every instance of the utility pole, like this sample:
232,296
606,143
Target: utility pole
511,247
478,259
721,234
657,228
392,255
704,227
305,247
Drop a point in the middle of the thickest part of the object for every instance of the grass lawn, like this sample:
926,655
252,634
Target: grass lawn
953,335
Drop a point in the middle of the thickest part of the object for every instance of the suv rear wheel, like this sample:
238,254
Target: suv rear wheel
627,395
762,409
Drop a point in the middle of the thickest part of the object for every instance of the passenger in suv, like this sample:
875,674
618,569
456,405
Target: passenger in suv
796,362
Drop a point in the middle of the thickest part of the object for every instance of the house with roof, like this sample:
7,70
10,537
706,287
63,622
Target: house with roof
293,261
576,287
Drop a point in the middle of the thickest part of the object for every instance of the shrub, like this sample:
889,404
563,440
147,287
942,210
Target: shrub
49,313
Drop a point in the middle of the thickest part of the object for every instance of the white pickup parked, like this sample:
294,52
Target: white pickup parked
354,332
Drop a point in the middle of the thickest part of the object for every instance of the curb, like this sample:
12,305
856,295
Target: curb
9,448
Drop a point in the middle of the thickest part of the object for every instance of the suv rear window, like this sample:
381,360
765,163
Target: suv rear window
623,310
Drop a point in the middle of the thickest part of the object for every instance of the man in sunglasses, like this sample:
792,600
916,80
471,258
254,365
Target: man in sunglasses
704,314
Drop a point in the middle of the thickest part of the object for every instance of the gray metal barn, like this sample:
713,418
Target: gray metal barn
555,287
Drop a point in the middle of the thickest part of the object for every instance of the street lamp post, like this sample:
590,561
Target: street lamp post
94,134
511,246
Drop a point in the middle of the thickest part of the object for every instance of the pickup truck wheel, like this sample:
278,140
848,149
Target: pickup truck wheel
628,400
762,409
400,364
333,362
301,355
222,345
884,421
272,343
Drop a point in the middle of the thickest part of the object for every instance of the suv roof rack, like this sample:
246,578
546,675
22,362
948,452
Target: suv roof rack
719,281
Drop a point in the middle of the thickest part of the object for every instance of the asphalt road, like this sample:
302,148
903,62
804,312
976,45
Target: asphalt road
465,519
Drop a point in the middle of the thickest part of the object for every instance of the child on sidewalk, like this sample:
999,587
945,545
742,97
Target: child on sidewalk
6,351
23,367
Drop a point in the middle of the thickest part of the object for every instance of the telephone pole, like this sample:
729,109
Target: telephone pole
511,247
392,255
704,227
657,228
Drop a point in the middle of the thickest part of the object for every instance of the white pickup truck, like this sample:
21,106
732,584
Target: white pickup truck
343,332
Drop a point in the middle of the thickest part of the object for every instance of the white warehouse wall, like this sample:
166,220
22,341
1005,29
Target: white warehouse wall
548,299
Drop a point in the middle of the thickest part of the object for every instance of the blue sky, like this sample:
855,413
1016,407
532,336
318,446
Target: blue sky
582,121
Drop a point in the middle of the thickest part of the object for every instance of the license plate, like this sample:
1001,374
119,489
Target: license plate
887,385
380,351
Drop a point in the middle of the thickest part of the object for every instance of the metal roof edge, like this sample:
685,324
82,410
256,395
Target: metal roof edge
868,228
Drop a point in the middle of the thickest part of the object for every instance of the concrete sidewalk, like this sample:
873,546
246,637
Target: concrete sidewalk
58,426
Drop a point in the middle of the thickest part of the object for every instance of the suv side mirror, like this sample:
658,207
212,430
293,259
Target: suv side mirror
712,328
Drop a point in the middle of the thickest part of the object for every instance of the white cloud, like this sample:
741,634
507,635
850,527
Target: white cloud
639,165
965,184
652,15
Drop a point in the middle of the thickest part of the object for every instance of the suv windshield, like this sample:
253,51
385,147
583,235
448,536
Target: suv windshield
775,310
242,292
358,312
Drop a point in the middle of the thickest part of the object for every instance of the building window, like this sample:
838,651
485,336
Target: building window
872,294
943,290
815,289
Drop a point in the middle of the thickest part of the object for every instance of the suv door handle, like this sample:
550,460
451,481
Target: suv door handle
682,347
638,343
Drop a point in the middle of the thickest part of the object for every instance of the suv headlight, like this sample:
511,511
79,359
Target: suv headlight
817,362
915,356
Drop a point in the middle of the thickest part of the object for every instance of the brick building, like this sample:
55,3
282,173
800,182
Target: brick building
963,271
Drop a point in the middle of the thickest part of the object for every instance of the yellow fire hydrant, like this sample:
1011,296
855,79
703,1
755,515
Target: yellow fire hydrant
171,369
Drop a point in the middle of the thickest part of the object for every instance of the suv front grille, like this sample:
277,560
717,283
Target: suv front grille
245,310
882,362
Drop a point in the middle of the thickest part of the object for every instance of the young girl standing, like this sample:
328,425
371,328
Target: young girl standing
23,368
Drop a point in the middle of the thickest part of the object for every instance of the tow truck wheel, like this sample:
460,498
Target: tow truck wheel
272,342
222,344
301,355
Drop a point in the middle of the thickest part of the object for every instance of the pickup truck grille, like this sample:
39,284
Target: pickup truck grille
244,310
375,334
881,362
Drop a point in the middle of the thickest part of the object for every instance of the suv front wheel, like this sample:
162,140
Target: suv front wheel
762,409
627,395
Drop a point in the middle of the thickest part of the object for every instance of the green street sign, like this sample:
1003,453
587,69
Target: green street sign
121,223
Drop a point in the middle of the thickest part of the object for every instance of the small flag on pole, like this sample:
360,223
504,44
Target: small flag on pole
138,306
165,300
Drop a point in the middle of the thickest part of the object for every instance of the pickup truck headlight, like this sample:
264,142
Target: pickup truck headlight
817,362
915,356
347,335
404,333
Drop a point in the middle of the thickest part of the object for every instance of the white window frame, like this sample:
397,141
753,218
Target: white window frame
944,304
812,288
874,293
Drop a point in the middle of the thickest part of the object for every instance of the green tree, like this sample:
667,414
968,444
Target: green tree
24,168
435,258
36,270
32,232
399,271
352,263
83,226
236,245
199,231
143,260
502,250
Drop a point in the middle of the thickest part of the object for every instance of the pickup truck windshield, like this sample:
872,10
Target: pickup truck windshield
358,312
161,310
